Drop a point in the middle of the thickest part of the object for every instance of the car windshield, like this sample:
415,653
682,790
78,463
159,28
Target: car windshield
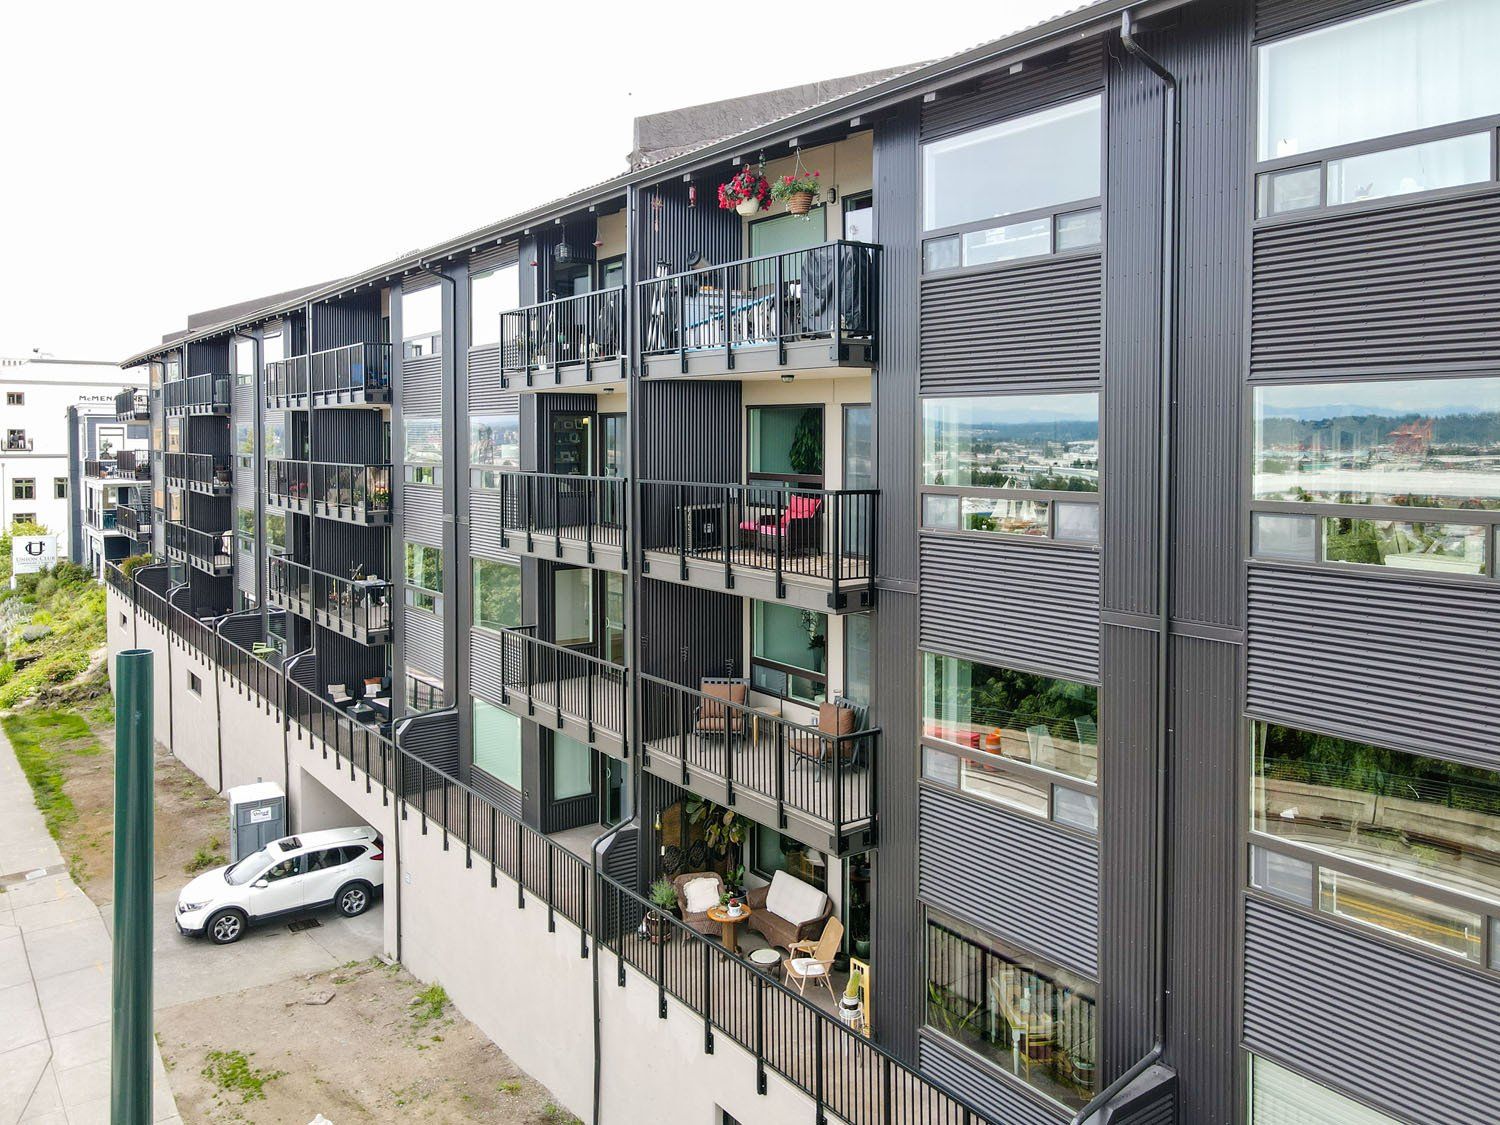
247,868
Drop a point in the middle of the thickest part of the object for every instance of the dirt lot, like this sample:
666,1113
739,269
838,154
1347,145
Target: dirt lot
382,1048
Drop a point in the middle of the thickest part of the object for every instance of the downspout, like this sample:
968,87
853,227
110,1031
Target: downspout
1167,362
625,818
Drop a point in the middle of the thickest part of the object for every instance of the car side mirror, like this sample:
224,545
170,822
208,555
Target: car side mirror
262,884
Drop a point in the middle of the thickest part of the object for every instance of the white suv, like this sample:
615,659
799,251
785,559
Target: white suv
341,866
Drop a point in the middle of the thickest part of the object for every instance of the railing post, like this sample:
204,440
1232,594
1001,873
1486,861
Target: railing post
589,674
729,533
708,998
446,788
838,302
590,507
591,305
682,532
837,508
885,1089
468,824
760,1033
778,299
780,775
520,865
820,1077
551,910
584,912
494,844
677,286
838,787
781,495
664,934
725,289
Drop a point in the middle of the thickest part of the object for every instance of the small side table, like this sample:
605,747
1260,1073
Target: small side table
768,961
730,923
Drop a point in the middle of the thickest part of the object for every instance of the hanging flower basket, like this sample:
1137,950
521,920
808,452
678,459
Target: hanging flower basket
798,190
747,193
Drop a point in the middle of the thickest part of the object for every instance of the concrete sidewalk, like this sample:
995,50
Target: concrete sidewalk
54,978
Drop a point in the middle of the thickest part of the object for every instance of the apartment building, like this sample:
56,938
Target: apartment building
110,484
1062,549
40,455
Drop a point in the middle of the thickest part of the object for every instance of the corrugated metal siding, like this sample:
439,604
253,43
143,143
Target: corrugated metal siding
337,548
424,641
669,231
485,525
980,862
1040,603
1395,661
1278,17
485,395
1361,1015
486,666
1001,94
688,633
342,660
1126,821
422,385
353,321
350,437
676,413
1034,326
422,514
999,1098
490,259
1407,287
496,790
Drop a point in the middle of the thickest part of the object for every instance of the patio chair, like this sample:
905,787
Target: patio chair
798,531
838,716
339,695
813,961
1043,750
700,896
713,715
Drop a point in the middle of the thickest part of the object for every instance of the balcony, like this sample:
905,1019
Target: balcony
208,551
358,494
814,548
809,309
352,375
568,342
131,522
197,394
564,689
812,785
17,442
133,464
287,383
289,585
96,468
353,607
133,406
286,485
103,519
208,473
577,520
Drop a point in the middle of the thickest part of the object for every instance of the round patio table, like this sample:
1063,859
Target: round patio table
729,923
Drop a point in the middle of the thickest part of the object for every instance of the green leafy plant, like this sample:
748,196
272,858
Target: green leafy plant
851,989
663,894
232,1072
429,1004
802,180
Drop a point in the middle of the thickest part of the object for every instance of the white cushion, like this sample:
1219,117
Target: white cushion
700,894
807,967
794,900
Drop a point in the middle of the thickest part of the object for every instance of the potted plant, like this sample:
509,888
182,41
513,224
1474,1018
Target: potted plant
734,880
380,497
663,896
797,190
849,1009
747,193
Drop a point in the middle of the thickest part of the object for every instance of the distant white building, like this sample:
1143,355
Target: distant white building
40,466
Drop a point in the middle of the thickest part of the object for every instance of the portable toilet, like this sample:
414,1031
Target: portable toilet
257,815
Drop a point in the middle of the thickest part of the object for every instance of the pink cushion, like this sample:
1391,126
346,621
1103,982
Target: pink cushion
751,525
802,507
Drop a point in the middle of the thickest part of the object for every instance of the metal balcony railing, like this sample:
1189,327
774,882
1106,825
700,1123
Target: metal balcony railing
570,682
827,778
99,468
356,607
103,519
197,394
822,292
789,531
19,444
128,521
588,329
352,493
588,512
286,381
132,406
133,464
207,550
286,484
354,373
202,472
289,585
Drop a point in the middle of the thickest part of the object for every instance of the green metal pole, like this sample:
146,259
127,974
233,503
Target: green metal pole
131,1043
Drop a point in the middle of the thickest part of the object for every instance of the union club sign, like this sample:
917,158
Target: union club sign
31,553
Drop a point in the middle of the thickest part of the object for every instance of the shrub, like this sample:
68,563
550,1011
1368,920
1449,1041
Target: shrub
132,564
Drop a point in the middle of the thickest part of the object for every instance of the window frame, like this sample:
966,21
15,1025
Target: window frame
790,671
414,597
1053,212
23,488
15,398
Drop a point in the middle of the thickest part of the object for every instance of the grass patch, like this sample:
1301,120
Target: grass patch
42,738
203,859
554,1112
512,1087
232,1072
430,1004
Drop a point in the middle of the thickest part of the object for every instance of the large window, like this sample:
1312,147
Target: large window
424,577
1047,723
244,529
1028,1017
1012,464
986,777
497,743
573,606
789,651
490,294
1392,473
274,436
23,488
1281,1097
1413,67
572,768
786,443
243,360
1395,827
494,446
774,852
275,523
1043,168
422,322
857,658
497,594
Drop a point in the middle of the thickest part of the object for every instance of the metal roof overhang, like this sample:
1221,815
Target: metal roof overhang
1069,27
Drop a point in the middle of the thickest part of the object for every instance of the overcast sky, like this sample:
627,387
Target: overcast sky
161,158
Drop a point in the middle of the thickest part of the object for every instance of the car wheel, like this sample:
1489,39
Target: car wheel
225,927
353,900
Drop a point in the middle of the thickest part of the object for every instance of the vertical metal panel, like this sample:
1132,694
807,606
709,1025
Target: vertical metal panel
338,548
351,437
672,234
1127,738
207,357
433,738
1278,17
1356,1012
1002,1099
1381,658
1068,73
350,320
486,522
1041,604
424,642
688,633
1035,326
1020,878
676,413
343,660
896,929
1411,286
